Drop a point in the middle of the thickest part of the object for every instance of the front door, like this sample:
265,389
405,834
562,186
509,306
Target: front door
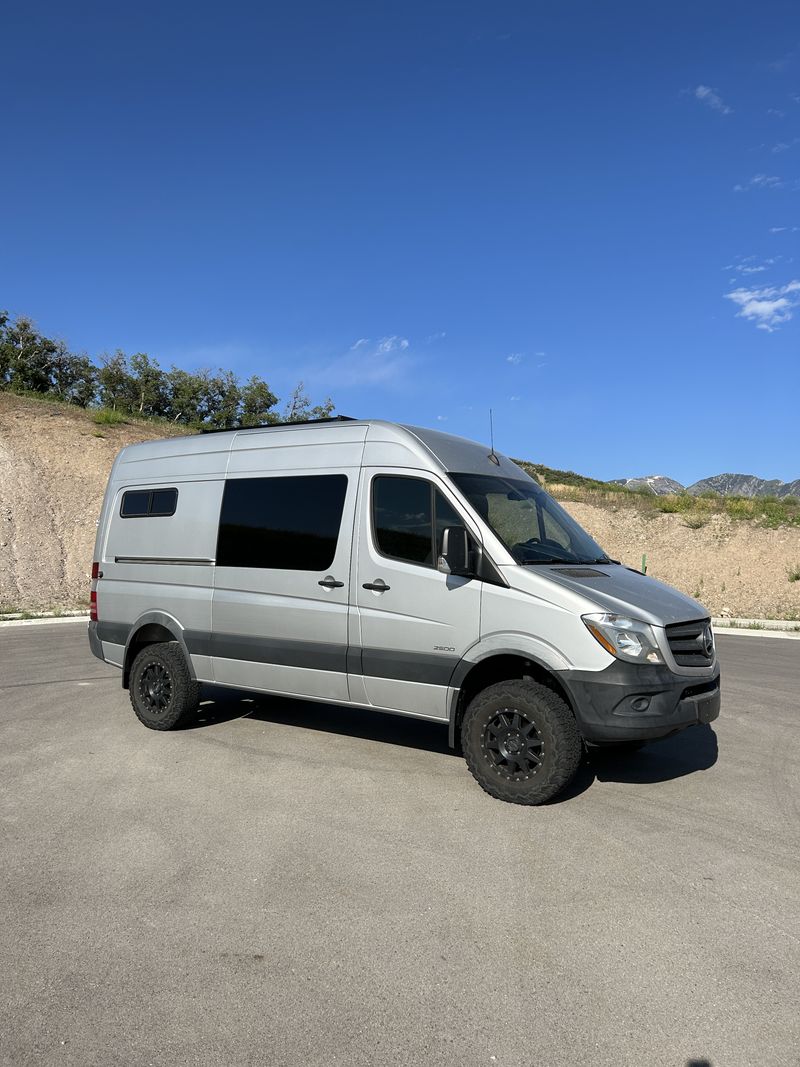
280,602
413,623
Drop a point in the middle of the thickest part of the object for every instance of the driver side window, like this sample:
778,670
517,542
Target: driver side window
409,518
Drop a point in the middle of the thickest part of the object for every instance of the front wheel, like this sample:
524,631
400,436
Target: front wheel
521,742
163,693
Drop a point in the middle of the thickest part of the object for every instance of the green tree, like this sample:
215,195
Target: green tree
298,407
184,396
26,360
117,388
5,351
258,403
150,385
74,376
221,399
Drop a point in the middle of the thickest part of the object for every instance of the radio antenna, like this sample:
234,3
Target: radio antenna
492,455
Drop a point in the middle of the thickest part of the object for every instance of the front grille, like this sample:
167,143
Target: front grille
689,643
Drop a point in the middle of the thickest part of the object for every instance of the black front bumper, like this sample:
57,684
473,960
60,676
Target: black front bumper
637,702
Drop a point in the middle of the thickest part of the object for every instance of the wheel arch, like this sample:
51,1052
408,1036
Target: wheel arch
499,665
149,629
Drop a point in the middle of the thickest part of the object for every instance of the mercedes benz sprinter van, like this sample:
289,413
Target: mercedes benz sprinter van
392,568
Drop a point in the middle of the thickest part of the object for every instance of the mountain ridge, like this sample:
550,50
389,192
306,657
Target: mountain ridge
727,484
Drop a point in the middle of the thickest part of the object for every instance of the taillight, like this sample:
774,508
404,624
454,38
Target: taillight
95,571
93,606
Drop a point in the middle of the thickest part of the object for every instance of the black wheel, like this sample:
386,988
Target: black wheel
521,742
163,693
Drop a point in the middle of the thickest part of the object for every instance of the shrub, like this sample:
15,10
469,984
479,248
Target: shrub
108,417
674,503
794,573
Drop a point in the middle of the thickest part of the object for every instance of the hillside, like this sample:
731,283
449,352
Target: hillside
735,555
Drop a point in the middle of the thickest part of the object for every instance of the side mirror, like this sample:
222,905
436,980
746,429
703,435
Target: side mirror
455,552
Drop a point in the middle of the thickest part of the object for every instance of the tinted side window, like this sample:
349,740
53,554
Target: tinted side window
163,502
401,510
281,523
139,503
406,513
135,504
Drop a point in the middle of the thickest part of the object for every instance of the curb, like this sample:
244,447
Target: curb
41,620
739,631
723,622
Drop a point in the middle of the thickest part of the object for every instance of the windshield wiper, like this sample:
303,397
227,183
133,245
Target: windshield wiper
568,562
537,562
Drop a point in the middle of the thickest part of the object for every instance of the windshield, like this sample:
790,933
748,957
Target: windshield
532,526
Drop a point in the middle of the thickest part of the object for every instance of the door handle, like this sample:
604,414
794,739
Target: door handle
330,583
378,586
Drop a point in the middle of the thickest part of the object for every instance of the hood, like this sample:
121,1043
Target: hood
623,591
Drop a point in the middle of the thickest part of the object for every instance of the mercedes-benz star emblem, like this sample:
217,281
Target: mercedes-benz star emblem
708,641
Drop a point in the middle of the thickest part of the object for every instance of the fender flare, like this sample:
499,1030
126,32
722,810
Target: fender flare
170,623
523,646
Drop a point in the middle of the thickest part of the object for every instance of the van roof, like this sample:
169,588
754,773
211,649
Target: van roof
449,452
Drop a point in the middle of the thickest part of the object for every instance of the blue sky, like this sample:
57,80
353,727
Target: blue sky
586,216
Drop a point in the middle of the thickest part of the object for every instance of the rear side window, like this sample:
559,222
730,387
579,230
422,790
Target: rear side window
144,503
281,523
409,518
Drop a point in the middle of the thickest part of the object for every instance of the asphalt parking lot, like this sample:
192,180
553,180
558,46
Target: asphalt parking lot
290,883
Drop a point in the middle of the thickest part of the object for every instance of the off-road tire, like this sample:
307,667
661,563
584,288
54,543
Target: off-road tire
159,676
554,735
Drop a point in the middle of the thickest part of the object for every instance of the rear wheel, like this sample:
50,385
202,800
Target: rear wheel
521,742
163,693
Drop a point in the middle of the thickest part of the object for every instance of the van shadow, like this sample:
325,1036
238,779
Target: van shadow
219,705
691,750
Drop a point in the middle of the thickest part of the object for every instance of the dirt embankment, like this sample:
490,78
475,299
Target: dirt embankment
54,462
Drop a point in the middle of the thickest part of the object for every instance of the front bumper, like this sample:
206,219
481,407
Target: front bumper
637,702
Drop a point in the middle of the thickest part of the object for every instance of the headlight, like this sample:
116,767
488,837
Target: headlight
625,638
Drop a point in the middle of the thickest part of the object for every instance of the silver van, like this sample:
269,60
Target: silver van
392,568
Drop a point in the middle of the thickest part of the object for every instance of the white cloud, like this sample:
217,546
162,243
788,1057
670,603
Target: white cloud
441,418
438,336
784,229
767,308
784,146
776,112
711,98
515,358
748,265
515,398
381,362
391,344
760,181
541,354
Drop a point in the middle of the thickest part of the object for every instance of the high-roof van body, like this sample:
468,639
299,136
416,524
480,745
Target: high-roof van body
393,568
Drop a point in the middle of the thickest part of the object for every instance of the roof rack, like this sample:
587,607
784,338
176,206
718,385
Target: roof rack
271,425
